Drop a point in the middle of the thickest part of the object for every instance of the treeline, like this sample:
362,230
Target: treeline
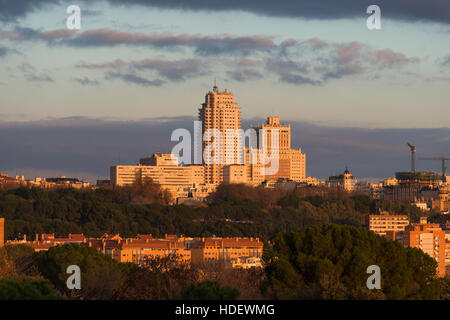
234,210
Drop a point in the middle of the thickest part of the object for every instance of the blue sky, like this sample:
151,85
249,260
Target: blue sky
308,62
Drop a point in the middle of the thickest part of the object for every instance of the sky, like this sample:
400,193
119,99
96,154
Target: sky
141,63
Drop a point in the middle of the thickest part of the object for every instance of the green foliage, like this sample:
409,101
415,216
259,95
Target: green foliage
36,289
101,276
439,218
157,278
330,262
239,211
21,255
208,290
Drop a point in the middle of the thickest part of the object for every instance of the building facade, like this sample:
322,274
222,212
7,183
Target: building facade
219,112
161,168
224,249
291,162
344,181
385,222
428,237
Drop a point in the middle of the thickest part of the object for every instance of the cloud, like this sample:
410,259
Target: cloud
245,75
408,10
202,45
26,68
4,51
446,61
88,145
39,78
134,79
298,80
174,70
24,34
32,75
312,61
12,10
387,58
315,61
85,81
91,13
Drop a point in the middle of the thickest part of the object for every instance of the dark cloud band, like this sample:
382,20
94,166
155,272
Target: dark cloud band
409,10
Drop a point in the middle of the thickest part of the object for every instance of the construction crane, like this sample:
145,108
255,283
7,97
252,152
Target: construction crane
413,156
444,169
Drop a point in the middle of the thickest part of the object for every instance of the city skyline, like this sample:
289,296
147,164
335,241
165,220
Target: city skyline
85,148
353,96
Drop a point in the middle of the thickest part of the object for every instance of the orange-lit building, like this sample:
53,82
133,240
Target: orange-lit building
2,231
291,162
235,251
447,254
226,159
220,112
48,240
385,222
224,249
429,237
144,246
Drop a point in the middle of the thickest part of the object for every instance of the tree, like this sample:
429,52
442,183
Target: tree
157,278
330,262
208,290
7,267
146,191
21,255
35,289
101,276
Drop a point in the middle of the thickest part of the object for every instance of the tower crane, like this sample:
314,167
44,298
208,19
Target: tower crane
413,156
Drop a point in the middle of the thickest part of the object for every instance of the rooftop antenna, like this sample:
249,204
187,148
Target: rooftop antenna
215,85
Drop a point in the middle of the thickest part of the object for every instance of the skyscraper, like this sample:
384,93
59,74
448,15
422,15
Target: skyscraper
221,119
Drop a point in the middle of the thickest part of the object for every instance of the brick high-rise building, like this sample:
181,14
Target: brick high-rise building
220,112
428,237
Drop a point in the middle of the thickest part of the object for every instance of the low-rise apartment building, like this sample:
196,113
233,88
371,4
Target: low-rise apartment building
224,249
234,251
385,222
